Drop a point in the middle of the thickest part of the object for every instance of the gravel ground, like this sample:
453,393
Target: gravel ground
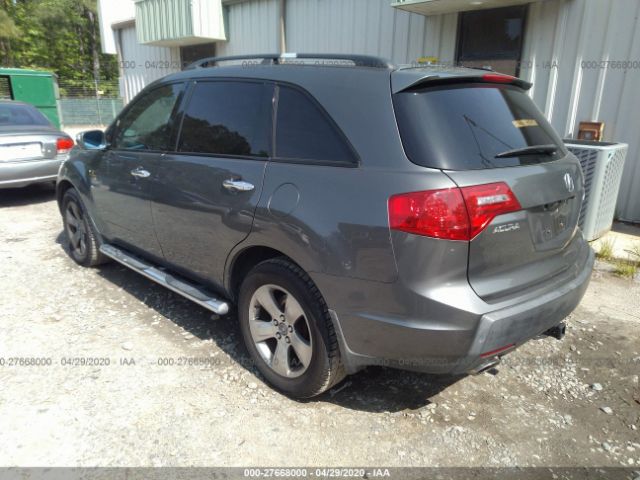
569,403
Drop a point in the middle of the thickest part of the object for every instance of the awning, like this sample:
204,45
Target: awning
172,23
437,7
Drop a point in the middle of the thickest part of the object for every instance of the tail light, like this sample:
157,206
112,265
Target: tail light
64,144
451,213
434,213
486,202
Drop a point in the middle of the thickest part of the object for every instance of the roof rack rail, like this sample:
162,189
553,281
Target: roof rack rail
279,58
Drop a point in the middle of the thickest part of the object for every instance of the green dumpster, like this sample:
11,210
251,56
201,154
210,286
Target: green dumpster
39,88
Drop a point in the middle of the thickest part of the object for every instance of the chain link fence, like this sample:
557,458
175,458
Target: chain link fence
87,104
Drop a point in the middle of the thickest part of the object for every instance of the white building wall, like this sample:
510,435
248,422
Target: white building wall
110,12
339,26
560,36
368,27
142,64
252,28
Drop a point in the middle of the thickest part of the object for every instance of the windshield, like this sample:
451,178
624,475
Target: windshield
468,127
17,114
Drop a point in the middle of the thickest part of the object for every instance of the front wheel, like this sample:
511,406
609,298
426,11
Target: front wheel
287,329
83,243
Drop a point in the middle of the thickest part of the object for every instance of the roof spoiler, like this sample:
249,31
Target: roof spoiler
436,80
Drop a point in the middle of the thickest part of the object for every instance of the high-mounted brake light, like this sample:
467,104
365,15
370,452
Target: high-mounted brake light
64,144
498,78
451,213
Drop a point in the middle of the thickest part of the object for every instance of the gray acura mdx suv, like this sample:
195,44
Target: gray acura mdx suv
355,213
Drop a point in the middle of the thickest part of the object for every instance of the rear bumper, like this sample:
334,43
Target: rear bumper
452,338
519,323
23,173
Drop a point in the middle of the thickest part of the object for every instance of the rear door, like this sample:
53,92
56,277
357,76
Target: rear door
485,134
207,191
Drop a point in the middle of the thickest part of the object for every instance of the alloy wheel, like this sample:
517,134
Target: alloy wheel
280,331
76,229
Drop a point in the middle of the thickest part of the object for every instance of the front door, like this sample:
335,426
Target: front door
128,168
208,190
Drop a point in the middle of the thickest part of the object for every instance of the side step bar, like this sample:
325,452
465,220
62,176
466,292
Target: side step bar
192,292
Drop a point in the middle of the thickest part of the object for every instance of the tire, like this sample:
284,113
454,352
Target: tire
299,355
82,239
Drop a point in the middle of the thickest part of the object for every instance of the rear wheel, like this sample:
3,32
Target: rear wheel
287,329
83,244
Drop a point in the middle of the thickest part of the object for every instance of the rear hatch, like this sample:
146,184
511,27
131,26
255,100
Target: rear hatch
522,189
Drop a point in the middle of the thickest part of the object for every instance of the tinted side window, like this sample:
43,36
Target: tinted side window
147,125
304,132
227,118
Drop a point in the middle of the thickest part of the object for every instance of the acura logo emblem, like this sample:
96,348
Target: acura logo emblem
568,182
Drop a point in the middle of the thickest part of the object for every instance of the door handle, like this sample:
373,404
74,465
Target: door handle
237,185
140,173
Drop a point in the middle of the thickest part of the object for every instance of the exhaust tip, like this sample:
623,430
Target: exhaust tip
557,332
488,364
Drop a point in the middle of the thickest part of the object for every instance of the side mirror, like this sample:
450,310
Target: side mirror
92,140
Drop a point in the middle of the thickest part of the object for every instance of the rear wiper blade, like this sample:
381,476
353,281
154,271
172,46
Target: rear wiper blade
535,150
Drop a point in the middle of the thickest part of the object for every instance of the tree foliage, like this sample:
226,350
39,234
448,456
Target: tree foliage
57,35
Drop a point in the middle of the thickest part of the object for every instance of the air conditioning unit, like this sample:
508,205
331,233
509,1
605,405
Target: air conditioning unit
602,165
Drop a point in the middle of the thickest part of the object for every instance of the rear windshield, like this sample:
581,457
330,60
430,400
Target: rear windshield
464,127
21,115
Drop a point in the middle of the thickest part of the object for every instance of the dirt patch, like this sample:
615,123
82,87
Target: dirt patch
117,371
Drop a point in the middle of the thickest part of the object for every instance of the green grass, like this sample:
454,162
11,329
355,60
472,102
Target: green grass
605,251
627,269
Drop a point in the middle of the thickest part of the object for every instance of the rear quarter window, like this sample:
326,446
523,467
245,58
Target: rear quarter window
464,127
305,133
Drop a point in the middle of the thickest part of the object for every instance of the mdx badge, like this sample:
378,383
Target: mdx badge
568,182
507,227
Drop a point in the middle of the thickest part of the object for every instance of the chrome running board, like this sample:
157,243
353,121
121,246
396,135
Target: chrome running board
192,292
